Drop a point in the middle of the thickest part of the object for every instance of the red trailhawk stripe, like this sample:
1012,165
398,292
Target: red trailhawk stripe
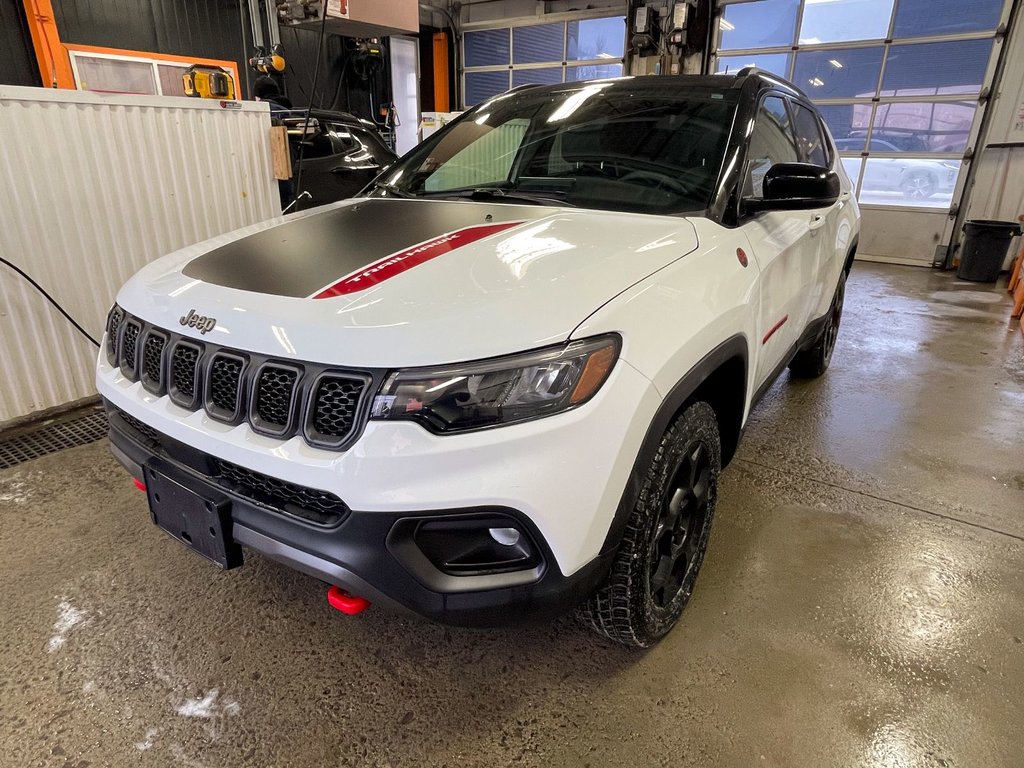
401,261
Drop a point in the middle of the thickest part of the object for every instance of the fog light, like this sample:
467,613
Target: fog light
507,537
468,544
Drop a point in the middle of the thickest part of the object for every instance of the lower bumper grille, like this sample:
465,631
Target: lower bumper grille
309,504
316,506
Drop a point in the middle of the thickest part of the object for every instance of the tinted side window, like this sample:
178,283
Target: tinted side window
772,142
342,137
808,136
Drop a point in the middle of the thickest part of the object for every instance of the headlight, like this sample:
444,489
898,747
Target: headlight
499,391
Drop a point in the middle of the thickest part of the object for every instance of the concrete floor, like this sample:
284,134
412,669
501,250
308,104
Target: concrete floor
861,604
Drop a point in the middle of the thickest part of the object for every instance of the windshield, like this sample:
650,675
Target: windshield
607,145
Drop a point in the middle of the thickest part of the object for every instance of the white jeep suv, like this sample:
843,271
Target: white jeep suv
502,383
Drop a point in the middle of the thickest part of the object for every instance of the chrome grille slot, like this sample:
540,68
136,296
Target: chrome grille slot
224,386
152,361
182,383
130,349
114,320
334,409
274,398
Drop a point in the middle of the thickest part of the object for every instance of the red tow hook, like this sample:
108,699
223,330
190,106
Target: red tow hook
139,484
346,603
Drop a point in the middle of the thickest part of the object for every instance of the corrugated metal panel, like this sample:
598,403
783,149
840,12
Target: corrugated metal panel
92,188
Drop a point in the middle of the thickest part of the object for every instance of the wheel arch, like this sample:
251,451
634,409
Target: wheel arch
720,379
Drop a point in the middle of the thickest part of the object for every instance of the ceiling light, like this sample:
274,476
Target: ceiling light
835,63
726,26
817,82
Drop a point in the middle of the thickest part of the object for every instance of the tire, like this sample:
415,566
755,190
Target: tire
662,549
919,185
811,363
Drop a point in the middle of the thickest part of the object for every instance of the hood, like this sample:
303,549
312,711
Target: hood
388,283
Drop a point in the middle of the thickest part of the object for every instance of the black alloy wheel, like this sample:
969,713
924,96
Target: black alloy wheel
684,512
814,361
662,548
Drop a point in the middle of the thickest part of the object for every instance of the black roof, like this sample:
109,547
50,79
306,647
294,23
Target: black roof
746,77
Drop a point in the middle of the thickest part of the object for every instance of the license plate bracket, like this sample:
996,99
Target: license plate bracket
202,522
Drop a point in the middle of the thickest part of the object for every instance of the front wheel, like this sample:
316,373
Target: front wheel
662,549
811,363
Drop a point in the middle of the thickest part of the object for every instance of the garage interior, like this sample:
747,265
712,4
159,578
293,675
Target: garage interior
860,604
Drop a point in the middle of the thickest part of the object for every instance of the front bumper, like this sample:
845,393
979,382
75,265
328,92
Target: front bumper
368,553
560,478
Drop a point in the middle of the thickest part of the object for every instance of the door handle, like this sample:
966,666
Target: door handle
818,221
844,197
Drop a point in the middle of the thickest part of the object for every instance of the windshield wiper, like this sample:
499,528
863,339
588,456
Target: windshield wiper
392,189
497,193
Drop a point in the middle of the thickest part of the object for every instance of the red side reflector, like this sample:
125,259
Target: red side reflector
139,484
345,602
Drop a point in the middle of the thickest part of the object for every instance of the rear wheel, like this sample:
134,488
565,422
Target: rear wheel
663,547
811,363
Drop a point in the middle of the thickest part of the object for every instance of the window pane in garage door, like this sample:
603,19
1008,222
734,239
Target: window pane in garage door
916,181
486,47
481,86
848,124
538,43
839,73
925,126
833,21
592,72
542,75
926,69
852,166
764,24
917,18
777,63
597,39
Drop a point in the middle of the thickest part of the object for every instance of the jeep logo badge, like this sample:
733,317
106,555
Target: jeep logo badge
199,322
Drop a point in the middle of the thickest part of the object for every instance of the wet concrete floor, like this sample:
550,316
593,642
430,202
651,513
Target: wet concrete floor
861,604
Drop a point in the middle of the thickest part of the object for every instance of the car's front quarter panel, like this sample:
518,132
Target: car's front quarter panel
673,319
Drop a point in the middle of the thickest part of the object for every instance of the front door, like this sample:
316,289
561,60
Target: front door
783,242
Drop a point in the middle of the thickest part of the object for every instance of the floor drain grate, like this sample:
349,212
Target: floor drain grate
52,438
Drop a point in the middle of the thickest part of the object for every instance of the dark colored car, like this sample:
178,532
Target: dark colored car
341,153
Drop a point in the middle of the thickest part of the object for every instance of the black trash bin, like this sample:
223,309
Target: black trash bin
984,249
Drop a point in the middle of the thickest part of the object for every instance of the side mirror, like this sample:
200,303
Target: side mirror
796,187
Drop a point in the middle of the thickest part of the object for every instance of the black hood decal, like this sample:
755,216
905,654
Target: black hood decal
300,258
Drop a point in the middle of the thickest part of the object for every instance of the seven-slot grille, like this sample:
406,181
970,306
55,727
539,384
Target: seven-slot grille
278,398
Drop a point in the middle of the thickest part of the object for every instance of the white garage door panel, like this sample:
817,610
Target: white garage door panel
900,237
